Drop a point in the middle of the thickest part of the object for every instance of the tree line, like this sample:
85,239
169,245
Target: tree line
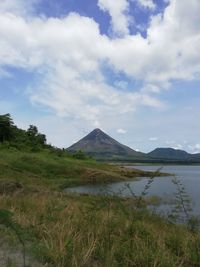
10,134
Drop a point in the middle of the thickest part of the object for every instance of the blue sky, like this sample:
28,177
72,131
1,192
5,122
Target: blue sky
129,67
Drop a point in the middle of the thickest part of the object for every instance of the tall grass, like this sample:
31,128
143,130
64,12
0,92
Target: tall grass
65,230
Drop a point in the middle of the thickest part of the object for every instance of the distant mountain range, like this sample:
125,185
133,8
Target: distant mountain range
173,154
103,147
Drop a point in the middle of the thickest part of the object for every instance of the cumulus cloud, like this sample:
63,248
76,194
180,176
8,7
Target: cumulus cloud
68,54
118,11
170,50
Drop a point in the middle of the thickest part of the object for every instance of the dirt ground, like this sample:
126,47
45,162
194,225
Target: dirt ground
10,257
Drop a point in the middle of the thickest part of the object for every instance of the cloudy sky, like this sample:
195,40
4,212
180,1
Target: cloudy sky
129,67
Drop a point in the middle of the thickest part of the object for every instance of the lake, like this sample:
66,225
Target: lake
161,186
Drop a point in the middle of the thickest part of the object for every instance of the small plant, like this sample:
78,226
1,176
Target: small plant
6,219
139,200
182,211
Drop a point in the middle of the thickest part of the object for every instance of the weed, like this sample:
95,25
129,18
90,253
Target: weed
182,211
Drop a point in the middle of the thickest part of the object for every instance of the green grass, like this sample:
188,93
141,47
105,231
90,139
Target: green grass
64,230
47,169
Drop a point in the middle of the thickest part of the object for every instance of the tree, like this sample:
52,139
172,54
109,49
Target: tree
79,155
41,138
32,131
6,127
35,137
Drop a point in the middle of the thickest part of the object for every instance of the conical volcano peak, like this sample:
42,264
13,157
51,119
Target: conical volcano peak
96,134
97,131
101,145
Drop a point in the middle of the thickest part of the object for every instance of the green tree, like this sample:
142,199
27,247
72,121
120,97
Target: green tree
6,127
32,131
41,138
35,137
80,155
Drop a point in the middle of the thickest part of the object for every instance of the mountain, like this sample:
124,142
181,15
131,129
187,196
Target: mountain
100,145
173,155
168,153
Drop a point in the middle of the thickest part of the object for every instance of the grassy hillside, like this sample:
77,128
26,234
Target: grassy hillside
48,169
60,229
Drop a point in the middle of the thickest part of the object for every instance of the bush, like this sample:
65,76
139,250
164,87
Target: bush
80,155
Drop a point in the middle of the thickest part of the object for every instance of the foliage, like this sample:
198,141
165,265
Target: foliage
35,137
80,155
6,125
13,137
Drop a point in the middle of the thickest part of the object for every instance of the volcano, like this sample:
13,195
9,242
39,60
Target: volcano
101,146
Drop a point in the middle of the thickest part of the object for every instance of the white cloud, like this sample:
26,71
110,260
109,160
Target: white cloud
177,147
147,4
121,131
170,51
194,148
118,12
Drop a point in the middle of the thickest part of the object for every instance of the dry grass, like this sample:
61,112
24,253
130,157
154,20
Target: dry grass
64,230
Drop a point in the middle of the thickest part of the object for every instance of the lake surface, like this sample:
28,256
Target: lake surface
161,186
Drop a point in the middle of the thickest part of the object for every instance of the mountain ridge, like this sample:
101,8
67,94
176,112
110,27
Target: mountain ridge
172,154
168,152
100,145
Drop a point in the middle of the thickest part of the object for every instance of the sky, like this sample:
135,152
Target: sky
129,67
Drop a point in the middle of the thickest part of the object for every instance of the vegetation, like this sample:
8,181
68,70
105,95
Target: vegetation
12,136
6,128
40,225
67,230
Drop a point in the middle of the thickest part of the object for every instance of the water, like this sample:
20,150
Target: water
161,187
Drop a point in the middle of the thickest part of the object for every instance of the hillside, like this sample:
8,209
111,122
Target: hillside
100,145
171,154
54,170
